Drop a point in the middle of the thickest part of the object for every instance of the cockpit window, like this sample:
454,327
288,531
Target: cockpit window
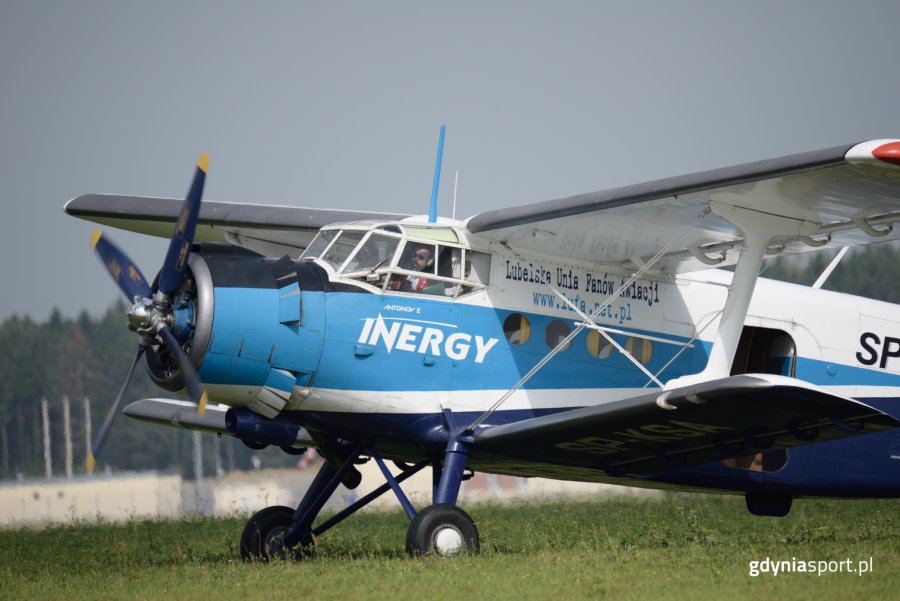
319,244
420,260
398,258
341,248
377,251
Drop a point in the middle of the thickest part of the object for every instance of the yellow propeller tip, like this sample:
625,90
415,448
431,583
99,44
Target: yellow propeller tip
201,408
91,462
203,163
95,237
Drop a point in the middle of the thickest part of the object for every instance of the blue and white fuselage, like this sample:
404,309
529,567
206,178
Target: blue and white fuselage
331,341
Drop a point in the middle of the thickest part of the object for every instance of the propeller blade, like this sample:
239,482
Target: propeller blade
194,386
111,415
123,270
183,236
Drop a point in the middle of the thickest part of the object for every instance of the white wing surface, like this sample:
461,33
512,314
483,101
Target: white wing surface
267,229
847,195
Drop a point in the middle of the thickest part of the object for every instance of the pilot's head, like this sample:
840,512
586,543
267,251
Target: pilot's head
422,259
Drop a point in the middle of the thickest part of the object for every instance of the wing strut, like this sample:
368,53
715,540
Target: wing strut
564,343
758,229
831,267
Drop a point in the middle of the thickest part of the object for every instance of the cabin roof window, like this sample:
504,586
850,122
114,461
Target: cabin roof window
439,234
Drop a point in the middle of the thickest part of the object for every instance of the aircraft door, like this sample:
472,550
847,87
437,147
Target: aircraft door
765,351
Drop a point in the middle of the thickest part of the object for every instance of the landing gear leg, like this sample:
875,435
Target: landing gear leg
321,489
443,529
265,536
270,532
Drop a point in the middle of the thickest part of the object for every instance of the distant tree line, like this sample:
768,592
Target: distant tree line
80,358
89,357
871,271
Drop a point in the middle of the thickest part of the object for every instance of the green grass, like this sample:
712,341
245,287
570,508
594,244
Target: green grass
683,547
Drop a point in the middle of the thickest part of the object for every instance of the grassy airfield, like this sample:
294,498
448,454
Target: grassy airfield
681,547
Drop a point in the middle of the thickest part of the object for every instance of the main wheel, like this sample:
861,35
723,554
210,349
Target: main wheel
262,537
442,530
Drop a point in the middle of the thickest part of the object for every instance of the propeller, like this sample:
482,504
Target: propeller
111,415
151,315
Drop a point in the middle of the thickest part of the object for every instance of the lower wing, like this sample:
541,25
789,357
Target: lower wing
702,423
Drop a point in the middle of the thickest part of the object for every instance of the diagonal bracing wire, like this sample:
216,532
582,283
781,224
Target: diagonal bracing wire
596,313
589,323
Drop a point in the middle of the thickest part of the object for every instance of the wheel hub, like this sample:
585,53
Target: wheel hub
448,540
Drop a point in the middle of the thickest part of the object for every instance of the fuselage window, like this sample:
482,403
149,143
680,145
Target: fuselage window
517,328
598,346
640,348
556,332
478,267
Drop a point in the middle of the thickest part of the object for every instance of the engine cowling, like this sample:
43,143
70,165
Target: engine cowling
251,325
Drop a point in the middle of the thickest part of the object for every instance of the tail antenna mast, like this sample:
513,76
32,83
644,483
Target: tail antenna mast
432,211
455,187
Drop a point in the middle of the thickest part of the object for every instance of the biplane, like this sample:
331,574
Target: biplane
595,338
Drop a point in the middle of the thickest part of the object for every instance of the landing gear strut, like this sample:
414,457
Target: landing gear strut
443,528
440,529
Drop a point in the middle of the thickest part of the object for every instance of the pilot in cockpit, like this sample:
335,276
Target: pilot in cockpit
422,260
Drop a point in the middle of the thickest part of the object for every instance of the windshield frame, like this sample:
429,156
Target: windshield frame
381,274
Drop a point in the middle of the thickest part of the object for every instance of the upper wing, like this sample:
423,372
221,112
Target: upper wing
850,193
698,424
267,229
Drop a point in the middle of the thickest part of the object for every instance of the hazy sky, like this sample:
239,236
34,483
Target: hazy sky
338,104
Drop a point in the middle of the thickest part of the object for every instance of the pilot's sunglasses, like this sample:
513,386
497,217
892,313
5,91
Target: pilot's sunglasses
422,256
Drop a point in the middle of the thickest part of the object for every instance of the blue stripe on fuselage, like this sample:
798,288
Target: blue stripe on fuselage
434,345
424,355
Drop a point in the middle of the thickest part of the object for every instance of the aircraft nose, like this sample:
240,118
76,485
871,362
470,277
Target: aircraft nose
255,328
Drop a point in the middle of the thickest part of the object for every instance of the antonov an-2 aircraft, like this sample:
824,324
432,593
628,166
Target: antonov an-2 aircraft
591,338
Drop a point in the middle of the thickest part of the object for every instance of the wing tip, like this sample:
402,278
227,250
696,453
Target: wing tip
883,150
889,153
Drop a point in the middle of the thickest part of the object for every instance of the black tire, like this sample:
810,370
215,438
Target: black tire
261,538
442,530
